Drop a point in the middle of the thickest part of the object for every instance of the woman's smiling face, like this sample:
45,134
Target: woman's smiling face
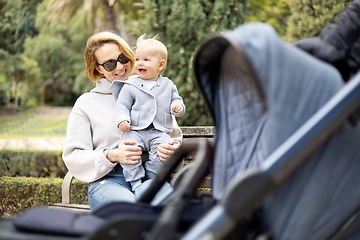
112,51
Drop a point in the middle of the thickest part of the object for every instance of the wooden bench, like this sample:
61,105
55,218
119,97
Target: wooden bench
189,133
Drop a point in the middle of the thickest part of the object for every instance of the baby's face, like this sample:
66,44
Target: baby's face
147,63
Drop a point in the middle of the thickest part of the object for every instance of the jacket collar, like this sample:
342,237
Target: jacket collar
102,86
136,81
116,86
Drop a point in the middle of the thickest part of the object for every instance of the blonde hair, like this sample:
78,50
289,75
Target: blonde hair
96,41
158,46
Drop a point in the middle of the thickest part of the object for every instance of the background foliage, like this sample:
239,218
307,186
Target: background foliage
20,193
17,20
309,17
33,163
177,24
58,49
42,43
273,12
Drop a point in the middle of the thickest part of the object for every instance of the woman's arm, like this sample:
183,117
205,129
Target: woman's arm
92,146
81,158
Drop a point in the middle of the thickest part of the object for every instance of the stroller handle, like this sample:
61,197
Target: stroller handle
170,218
202,149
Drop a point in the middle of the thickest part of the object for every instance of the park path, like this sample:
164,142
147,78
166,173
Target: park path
33,143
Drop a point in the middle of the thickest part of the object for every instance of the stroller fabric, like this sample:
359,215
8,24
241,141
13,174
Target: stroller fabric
260,90
67,223
58,222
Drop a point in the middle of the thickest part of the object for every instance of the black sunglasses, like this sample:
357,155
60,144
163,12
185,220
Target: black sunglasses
110,65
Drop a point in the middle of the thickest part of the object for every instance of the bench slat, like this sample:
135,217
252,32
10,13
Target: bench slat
81,208
206,131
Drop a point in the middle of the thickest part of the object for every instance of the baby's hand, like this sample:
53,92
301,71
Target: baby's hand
176,107
124,126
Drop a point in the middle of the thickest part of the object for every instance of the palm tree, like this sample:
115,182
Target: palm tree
100,15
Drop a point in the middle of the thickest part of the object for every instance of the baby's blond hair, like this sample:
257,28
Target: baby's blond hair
153,42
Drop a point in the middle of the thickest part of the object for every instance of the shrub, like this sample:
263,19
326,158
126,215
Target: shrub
31,163
309,17
20,193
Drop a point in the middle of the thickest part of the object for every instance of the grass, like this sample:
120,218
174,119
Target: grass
29,125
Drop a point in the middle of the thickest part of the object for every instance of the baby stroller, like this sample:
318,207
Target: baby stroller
286,148
292,122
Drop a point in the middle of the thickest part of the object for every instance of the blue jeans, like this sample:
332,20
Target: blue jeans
113,187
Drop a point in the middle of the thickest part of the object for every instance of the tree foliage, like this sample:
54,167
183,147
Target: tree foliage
59,51
100,15
273,12
54,50
17,20
309,17
182,25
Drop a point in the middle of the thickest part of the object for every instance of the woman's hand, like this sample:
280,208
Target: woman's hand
165,150
126,153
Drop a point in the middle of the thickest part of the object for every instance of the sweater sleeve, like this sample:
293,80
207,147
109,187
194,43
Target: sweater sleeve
176,134
85,163
123,105
175,98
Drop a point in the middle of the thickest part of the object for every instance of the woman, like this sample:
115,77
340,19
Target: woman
92,151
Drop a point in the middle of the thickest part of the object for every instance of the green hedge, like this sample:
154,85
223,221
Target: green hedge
31,163
20,193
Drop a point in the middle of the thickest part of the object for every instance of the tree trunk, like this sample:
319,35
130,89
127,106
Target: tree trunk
110,19
113,22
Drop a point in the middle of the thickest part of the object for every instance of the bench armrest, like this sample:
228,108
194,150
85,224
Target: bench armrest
66,187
